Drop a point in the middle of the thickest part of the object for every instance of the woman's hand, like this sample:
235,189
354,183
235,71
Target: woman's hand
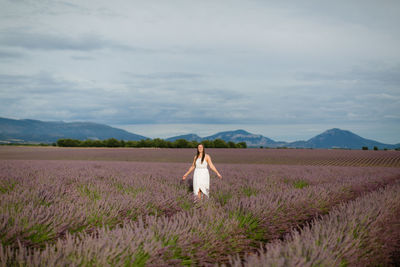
219,176
184,177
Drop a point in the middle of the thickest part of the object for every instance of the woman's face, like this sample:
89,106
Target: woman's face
200,148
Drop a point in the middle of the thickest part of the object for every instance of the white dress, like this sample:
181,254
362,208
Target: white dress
201,177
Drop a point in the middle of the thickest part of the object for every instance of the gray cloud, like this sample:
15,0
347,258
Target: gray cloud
61,42
82,58
40,41
383,75
78,101
171,101
4,54
166,76
26,85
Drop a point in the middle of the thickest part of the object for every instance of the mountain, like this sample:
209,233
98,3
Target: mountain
332,138
188,137
35,131
337,138
252,140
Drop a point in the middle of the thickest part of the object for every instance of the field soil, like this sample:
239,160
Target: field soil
319,157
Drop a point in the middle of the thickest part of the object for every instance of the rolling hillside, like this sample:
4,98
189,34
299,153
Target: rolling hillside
35,131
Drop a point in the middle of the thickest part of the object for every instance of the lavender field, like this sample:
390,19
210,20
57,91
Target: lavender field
130,207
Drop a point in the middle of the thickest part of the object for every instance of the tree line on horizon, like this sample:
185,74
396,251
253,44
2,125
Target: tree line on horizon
157,142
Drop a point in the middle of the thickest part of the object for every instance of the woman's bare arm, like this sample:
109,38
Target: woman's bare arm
190,169
212,167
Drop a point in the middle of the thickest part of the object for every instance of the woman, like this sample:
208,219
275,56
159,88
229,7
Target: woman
201,177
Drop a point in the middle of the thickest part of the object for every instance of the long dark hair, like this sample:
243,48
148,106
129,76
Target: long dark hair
198,153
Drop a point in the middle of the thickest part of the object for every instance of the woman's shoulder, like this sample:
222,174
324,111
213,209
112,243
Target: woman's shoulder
207,156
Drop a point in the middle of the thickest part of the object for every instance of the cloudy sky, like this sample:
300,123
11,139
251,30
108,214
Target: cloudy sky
285,69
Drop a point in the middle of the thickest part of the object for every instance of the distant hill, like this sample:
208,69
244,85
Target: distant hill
188,137
35,131
236,136
252,140
337,138
333,138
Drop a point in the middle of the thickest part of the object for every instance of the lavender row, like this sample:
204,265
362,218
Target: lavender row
195,237
41,201
362,232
